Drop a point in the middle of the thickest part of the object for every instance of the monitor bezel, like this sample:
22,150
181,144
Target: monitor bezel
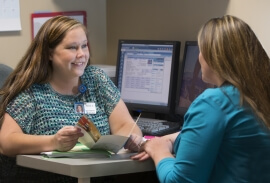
182,110
155,109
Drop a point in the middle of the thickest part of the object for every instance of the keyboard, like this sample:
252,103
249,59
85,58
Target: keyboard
157,127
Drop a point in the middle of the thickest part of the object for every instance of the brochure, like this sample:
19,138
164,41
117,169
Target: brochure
94,140
92,144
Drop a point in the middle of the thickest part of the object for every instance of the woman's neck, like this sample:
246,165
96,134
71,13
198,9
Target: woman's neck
66,87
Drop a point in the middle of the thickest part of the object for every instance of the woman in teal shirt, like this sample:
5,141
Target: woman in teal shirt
225,135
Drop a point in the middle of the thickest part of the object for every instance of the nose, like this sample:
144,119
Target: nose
80,52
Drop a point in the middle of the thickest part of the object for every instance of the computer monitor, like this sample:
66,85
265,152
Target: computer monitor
146,74
190,79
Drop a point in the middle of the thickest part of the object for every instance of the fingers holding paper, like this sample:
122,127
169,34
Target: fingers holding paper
66,138
134,142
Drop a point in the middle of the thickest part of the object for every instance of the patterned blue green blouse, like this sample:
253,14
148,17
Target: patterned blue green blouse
42,111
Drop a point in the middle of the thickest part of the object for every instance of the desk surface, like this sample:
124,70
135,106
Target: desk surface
86,167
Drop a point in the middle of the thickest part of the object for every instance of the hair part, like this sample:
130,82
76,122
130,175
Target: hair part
232,50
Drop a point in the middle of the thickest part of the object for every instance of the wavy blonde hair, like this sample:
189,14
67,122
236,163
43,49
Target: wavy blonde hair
35,66
231,48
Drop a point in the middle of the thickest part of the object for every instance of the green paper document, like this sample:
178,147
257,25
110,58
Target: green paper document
78,151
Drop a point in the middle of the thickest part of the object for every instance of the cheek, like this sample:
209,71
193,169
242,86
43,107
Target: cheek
209,76
63,57
87,55
206,73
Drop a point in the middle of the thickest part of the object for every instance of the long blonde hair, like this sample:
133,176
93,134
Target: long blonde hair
35,66
231,48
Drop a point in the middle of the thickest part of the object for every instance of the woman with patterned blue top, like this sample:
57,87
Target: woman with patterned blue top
225,136
39,99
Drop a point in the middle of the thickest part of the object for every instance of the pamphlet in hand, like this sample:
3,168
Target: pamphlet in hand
94,140
92,144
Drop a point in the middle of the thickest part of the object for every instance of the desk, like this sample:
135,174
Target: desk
85,168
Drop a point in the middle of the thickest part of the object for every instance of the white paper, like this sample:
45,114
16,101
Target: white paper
10,15
112,143
39,21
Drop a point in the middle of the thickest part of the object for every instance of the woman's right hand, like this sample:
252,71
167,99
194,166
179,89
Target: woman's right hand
66,138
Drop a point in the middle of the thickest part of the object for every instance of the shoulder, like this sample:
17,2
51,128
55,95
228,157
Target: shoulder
213,109
93,74
220,102
93,71
221,95
22,103
25,94
29,94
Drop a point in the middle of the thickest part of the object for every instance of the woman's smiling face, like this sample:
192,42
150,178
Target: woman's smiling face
70,57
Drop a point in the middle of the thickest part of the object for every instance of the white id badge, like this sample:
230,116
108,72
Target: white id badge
90,108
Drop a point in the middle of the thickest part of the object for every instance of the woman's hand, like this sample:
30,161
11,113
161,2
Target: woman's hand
141,156
157,145
66,138
157,148
134,142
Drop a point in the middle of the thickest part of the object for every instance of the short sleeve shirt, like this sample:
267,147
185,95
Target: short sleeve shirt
42,111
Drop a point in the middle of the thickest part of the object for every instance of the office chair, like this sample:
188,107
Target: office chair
4,73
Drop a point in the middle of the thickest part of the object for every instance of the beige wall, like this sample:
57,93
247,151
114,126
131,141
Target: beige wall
158,19
178,19
14,44
110,20
256,13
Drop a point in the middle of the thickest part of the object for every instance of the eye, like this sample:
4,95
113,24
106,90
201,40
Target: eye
84,46
72,47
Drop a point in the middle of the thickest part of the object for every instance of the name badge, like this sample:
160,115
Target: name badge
90,108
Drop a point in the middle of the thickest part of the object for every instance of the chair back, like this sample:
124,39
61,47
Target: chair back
4,73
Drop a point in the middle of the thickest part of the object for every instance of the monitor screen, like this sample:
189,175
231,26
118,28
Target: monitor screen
190,84
146,74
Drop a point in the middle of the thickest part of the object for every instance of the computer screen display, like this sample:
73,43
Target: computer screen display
146,74
190,84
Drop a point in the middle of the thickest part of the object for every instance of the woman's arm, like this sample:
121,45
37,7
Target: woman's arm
172,137
121,123
13,141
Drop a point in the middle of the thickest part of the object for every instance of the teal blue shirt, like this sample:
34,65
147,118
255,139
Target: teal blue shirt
42,111
220,142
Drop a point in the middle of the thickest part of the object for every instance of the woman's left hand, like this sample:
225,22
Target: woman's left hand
134,142
141,156
157,148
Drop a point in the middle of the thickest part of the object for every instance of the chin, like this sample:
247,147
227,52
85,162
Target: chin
78,73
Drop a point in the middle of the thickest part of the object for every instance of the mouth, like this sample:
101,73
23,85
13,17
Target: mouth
78,63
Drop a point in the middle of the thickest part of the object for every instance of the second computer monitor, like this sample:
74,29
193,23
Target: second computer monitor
146,74
190,84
